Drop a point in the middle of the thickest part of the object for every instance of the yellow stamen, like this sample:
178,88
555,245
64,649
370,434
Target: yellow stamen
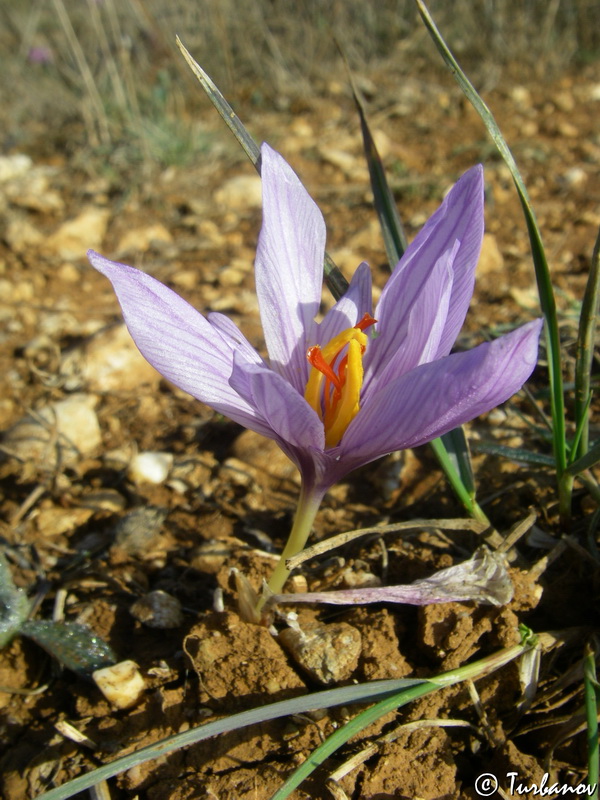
333,389
348,406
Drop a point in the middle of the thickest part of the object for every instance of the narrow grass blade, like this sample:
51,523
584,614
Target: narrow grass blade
227,113
457,447
591,688
342,735
591,484
514,454
91,86
585,350
582,429
542,272
361,721
336,282
392,229
587,461
361,693
454,443
449,462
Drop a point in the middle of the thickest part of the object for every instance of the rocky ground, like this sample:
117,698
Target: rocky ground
115,485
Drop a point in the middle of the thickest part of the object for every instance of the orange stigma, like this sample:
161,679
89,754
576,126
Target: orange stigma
334,384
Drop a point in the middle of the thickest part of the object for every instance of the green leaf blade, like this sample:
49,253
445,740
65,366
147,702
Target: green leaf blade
588,323
361,693
542,272
392,229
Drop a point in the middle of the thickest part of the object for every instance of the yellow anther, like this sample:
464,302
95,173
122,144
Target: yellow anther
334,384
348,405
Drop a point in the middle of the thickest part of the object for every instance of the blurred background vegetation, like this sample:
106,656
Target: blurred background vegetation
99,73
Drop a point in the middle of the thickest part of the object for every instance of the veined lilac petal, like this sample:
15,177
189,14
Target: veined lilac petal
437,397
469,195
421,330
350,308
236,339
442,299
289,267
177,340
459,218
483,579
287,413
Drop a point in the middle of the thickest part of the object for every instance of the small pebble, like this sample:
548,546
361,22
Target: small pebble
14,166
58,433
218,603
150,467
328,653
104,500
137,532
574,177
242,192
210,556
158,609
121,684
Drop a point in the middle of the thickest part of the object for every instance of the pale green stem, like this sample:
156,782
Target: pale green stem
565,492
308,505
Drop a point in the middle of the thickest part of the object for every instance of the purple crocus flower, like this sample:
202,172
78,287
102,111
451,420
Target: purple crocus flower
40,55
342,392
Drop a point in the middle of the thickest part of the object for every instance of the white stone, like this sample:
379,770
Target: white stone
121,684
241,192
142,239
574,177
21,235
69,273
352,167
230,276
74,237
521,97
112,362
59,434
491,258
158,609
186,279
150,467
13,166
328,653
383,143
32,191
56,521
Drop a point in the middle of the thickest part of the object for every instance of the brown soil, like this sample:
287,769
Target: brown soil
229,496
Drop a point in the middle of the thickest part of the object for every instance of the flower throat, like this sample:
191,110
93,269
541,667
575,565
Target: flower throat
335,380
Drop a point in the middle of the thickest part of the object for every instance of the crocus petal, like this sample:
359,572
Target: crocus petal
350,308
435,398
421,329
291,420
483,579
289,267
177,340
234,337
467,201
459,218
